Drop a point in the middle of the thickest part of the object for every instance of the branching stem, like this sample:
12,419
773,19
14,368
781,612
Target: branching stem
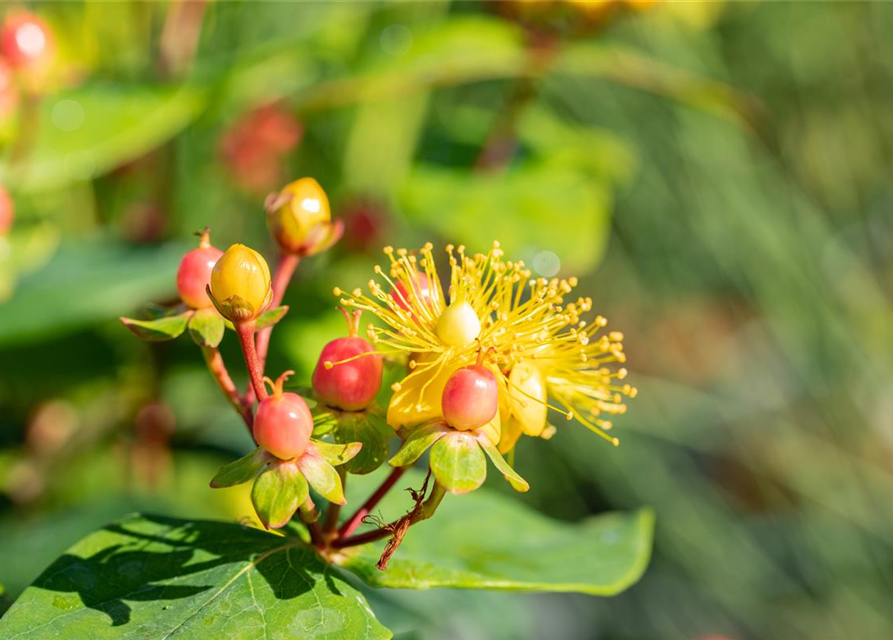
357,518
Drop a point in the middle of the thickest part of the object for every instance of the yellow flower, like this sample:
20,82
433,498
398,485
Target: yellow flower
299,218
543,352
240,284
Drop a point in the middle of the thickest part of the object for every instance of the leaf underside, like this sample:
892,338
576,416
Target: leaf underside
152,577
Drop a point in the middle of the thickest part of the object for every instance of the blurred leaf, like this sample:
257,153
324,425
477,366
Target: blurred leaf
486,541
373,433
270,317
206,328
529,209
241,470
153,577
160,329
88,131
97,281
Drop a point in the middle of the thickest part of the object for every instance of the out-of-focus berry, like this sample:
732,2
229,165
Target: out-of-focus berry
7,212
299,218
25,40
194,274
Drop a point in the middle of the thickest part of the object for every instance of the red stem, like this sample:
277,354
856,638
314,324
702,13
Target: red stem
357,518
245,331
284,271
218,369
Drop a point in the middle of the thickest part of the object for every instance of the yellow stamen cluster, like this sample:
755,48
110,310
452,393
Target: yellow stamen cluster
517,319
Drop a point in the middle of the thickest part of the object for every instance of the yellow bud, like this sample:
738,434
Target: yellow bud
240,283
296,213
527,391
458,325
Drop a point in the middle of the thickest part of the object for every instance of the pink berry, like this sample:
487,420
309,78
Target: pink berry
7,212
283,423
24,39
404,292
194,273
9,93
344,378
470,398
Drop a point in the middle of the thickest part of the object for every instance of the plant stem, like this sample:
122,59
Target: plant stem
245,331
333,510
284,271
357,518
428,508
216,366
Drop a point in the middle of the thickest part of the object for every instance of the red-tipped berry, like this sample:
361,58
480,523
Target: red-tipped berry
418,293
194,274
348,372
470,397
7,212
283,423
25,39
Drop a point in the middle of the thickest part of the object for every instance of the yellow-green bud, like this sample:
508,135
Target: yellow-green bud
240,284
299,217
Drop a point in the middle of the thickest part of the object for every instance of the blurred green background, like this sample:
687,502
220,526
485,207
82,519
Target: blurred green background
718,175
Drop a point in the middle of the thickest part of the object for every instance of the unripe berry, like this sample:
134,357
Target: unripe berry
458,325
283,422
7,212
194,274
344,377
294,214
470,398
417,293
240,283
24,39
9,93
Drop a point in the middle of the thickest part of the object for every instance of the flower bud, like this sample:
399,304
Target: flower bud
458,325
283,422
299,218
348,373
240,284
25,39
470,398
194,274
7,212
527,393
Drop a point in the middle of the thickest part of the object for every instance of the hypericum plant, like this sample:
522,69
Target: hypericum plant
480,356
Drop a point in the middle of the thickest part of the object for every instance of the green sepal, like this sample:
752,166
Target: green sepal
458,463
160,329
309,512
322,476
336,454
277,493
206,328
419,441
369,430
155,311
242,470
270,317
518,483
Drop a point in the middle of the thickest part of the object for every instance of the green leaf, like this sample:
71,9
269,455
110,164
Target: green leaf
159,330
322,476
270,317
532,205
518,483
277,493
458,463
118,123
418,442
487,541
374,436
206,328
336,454
242,470
153,577
5,600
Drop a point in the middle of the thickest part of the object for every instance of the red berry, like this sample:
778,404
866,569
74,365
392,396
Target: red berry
9,93
194,273
470,398
404,292
351,385
24,39
283,423
7,212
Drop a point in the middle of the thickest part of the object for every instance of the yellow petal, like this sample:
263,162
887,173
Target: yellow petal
527,393
418,399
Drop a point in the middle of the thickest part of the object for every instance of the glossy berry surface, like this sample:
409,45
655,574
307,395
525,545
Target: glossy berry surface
7,212
194,274
283,425
24,39
351,385
470,398
240,281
